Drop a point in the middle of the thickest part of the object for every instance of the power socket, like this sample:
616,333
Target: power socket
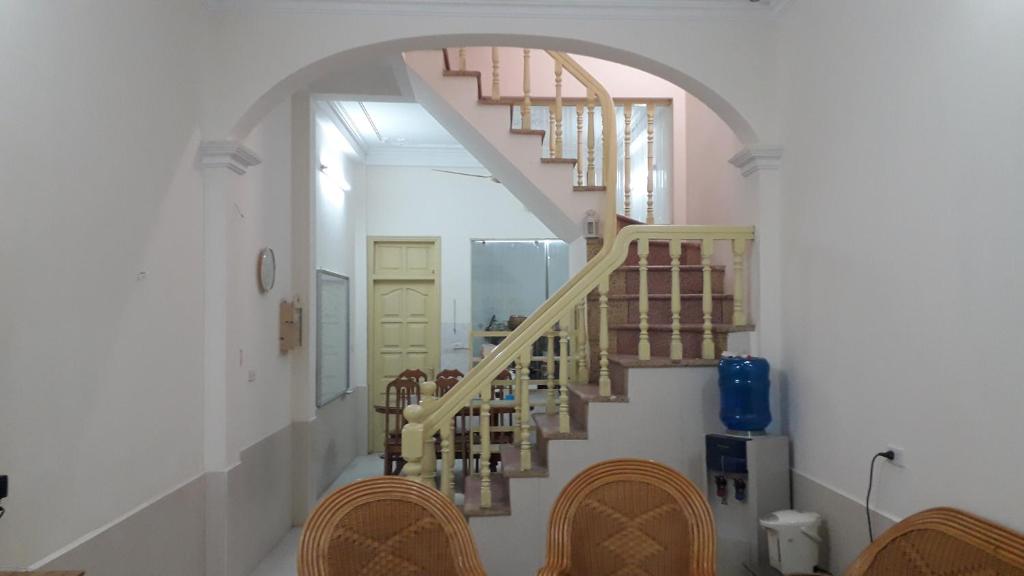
3,487
899,459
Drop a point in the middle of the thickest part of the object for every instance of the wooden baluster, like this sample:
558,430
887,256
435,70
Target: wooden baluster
707,348
558,109
429,462
495,75
644,347
526,113
591,140
739,313
583,374
485,448
650,163
550,365
585,343
412,442
448,459
579,145
604,381
563,375
523,395
462,59
551,131
675,251
627,112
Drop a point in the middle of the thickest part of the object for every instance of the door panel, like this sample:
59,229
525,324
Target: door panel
405,319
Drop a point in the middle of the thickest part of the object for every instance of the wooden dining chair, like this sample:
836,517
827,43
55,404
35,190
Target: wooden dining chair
943,541
630,517
414,374
446,380
398,394
387,525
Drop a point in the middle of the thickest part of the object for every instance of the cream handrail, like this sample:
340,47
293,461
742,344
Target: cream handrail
608,139
426,420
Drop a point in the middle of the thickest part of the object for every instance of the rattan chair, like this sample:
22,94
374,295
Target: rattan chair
387,526
943,541
632,517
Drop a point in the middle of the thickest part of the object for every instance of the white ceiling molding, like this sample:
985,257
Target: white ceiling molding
757,157
227,154
432,156
576,9
340,118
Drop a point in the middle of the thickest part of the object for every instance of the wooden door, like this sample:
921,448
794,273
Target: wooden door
405,316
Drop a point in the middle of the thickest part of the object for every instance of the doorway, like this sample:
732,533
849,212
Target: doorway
404,322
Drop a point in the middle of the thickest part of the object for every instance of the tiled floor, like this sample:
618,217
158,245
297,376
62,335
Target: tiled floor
281,560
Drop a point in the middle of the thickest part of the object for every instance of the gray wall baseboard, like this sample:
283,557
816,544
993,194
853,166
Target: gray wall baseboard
846,529
339,435
163,538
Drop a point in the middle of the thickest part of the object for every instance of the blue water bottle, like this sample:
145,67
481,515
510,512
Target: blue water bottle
743,383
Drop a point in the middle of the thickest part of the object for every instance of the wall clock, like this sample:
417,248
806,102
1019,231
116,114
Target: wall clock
266,270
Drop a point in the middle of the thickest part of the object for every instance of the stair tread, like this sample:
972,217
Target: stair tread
510,467
547,426
633,361
528,132
501,504
652,296
548,160
627,220
717,327
465,73
589,393
669,267
589,188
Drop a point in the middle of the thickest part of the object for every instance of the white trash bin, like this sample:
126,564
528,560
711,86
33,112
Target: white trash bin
794,540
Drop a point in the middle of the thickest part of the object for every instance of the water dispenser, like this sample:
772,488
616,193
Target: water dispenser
747,478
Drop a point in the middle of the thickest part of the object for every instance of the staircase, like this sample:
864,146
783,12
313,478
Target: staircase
632,339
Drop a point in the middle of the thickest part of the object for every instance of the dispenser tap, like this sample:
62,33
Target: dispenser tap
740,485
722,488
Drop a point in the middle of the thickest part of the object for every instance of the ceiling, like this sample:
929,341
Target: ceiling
400,133
631,8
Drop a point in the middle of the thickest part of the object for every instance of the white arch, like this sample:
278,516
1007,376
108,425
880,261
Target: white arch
726,63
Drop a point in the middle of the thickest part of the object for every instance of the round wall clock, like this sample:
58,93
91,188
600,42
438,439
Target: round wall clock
266,270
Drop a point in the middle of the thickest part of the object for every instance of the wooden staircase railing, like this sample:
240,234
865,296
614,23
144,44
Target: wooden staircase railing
559,315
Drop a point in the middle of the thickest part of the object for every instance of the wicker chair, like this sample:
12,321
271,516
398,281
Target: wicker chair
387,526
630,517
943,541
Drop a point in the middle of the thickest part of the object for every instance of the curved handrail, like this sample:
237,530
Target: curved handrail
425,422
609,142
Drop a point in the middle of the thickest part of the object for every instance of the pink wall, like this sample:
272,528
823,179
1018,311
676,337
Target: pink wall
620,81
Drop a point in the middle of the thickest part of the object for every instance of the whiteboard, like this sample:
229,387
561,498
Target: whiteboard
332,336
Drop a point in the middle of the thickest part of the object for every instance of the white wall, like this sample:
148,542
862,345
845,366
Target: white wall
262,219
416,201
902,191
100,367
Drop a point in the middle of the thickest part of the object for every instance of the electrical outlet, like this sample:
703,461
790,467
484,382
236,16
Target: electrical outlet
3,487
899,459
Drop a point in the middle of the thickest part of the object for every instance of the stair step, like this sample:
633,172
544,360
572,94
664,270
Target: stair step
510,466
548,160
590,393
633,361
547,426
466,74
589,188
501,504
528,132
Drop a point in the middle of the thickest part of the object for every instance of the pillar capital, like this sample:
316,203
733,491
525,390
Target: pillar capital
757,157
229,154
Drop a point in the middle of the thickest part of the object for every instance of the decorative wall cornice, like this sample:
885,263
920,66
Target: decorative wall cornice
227,154
576,9
758,157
